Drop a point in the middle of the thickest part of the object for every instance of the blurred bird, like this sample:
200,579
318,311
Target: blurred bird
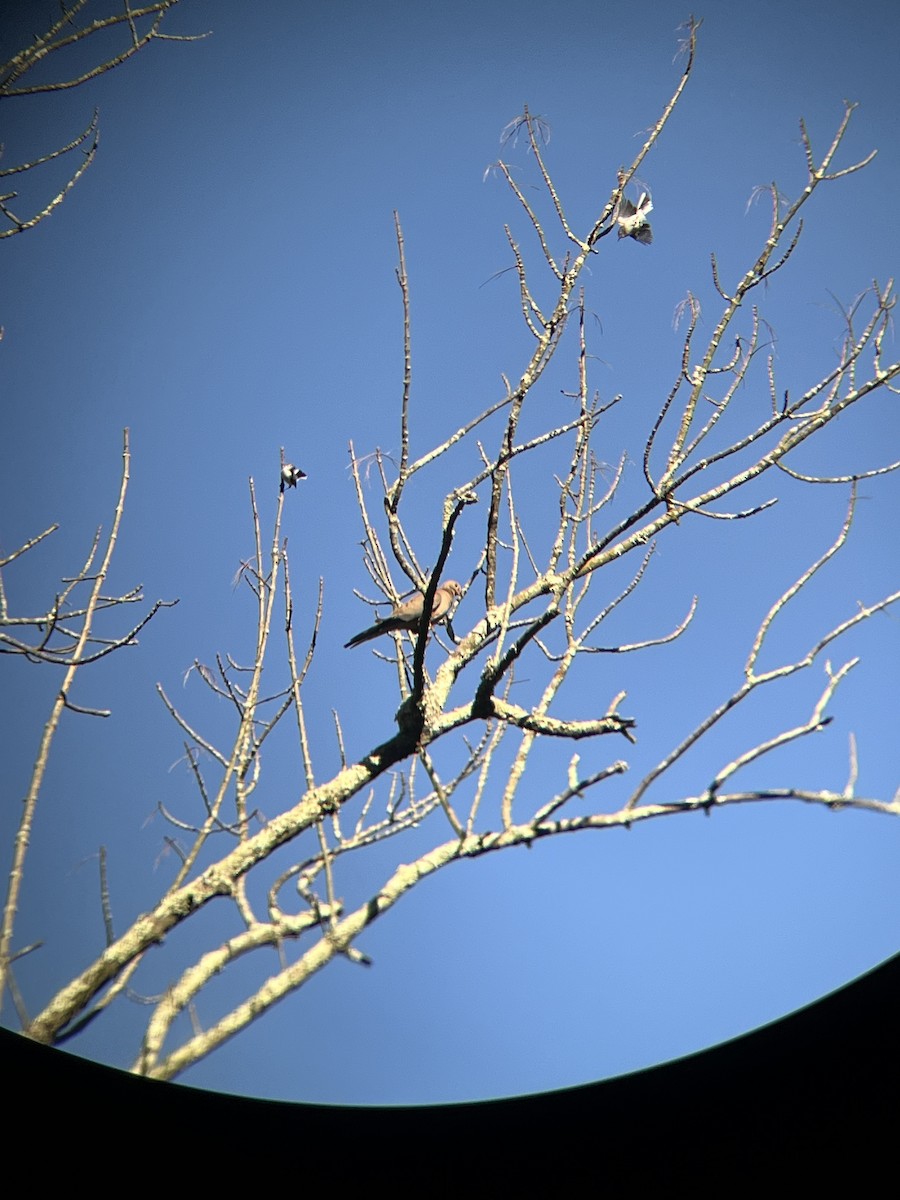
289,475
408,615
632,221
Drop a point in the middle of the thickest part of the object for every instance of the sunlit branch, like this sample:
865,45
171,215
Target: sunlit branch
755,275
601,227
815,724
517,192
795,588
62,701
577,788
403,281
529,305
478,705
537,722
19,223
54,40
854,478
62,35
754,679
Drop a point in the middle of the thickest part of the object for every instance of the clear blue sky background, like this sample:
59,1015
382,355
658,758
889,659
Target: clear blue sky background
222,282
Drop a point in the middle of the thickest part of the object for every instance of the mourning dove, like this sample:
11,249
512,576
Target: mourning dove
290,474
408,614
632,221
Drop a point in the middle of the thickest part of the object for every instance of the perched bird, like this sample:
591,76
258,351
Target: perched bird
290,474
633,221
409,614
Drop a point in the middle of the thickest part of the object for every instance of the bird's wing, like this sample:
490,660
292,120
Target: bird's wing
403,616
443,599
408,614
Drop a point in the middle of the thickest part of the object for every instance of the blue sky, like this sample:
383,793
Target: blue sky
221,281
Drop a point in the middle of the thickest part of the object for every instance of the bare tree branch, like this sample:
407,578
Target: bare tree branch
63,35
480,703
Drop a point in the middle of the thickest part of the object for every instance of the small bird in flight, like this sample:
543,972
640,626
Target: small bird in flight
408,615
289,475
632,221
